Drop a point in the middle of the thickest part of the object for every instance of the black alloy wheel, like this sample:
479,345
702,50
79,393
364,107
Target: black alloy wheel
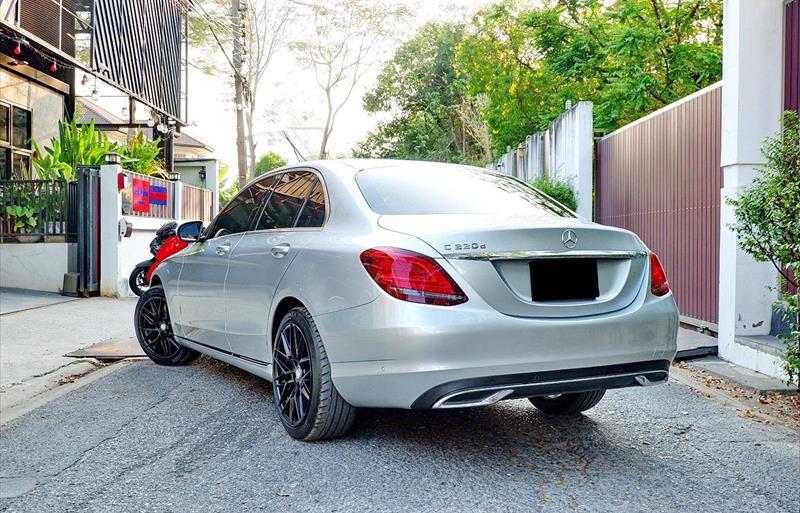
154,330
309,406
293,376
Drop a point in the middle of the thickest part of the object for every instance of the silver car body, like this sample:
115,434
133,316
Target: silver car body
227,295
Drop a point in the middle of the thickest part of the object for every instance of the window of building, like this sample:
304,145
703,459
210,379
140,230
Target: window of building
15,142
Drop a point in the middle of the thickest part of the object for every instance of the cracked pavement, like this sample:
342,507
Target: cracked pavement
205,438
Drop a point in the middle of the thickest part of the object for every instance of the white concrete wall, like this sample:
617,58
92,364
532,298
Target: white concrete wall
46,105
35,266
752,101
562,152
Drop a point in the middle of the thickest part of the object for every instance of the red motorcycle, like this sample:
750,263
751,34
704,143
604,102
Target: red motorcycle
166,243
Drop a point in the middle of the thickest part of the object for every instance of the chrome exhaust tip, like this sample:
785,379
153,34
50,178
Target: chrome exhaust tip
451,400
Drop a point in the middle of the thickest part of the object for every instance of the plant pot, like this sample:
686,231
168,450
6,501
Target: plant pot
29,237
55,227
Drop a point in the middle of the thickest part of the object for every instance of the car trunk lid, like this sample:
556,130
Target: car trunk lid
558,268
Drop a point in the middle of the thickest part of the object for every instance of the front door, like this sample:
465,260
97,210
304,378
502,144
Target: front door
201,284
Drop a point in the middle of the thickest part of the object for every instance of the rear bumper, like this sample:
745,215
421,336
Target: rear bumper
394,354
487,390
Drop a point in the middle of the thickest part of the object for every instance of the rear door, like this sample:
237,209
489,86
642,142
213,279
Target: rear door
261,258
205,265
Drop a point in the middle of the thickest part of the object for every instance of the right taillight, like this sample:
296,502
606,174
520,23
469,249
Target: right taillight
658,278
412,276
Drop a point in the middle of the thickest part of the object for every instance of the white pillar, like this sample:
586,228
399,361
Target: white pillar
752,102
583,143
112,281
177,202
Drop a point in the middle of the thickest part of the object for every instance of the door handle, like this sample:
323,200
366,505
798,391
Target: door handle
280,250
223,249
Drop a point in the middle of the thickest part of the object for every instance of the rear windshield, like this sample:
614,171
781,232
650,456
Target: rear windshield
431,190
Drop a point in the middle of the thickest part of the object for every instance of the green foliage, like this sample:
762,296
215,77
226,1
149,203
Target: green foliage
629,57
84,145
269,161
226,192
433,118
768,224
141,156
23,215
74,146
559,191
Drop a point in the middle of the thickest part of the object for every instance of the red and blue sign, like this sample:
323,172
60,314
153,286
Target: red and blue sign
158,195
141,195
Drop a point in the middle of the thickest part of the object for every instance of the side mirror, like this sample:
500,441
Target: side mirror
190,231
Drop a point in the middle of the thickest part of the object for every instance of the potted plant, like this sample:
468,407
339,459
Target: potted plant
23,219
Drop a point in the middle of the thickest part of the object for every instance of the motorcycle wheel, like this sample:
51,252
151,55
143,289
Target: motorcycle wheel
138,281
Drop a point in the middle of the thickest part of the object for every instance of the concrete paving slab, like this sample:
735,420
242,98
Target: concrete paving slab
693,344
110,351
33,342
747,379
17,300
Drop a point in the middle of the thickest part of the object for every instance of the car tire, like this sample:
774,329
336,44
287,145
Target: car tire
568,404
137,281
308,404
154,330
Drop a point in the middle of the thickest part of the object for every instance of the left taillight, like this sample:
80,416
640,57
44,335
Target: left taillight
411,276
658,278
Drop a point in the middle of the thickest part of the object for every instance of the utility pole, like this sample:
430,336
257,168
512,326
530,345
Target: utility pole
238,60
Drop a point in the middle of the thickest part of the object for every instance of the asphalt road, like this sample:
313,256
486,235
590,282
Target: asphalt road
205,438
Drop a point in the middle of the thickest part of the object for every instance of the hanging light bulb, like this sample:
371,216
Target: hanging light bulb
53,67
151,123
17,49
95,95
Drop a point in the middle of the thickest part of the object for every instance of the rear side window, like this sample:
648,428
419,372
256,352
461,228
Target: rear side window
286,201
238,215
313,213
452,190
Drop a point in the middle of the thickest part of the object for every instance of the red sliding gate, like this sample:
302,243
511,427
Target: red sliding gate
660,177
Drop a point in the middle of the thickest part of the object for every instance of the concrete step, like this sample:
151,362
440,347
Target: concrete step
748,380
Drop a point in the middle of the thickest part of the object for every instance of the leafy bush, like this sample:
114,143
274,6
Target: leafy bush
269,161
226,192
559,191
768,225
141,156
74,146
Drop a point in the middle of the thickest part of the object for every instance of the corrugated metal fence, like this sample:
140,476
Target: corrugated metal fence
661,178
791,62
196,203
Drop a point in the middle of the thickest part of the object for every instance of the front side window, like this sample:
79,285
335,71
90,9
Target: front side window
453,190
286,201
238,215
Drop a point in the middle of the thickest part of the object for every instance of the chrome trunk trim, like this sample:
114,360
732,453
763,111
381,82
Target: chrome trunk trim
527,255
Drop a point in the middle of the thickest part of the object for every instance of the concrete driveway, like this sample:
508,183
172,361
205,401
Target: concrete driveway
205,438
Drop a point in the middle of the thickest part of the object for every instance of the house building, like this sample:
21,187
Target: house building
50,48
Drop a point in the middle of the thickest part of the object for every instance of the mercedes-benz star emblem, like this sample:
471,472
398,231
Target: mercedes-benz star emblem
569,239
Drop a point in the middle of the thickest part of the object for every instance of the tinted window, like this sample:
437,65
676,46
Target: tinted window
286,199
456,190
21,129
239,214
313,214
4,123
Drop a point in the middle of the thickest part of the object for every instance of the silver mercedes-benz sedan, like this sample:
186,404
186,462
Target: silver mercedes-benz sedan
391,284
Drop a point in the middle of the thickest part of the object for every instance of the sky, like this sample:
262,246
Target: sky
290,100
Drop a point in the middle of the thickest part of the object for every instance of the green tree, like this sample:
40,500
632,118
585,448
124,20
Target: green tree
433,118
768,225
269,161
629,57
